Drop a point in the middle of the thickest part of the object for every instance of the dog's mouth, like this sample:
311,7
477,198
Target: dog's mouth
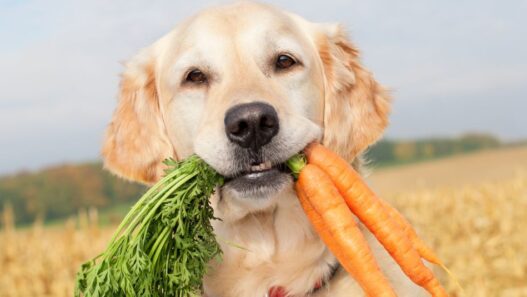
259,177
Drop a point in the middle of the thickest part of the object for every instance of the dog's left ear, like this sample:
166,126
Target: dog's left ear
356,105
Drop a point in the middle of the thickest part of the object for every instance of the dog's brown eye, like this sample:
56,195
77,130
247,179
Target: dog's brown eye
196,76
284,62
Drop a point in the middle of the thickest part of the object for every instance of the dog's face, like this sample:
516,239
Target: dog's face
250,88
245,87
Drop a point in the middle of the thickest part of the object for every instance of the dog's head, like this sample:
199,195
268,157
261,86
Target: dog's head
245,87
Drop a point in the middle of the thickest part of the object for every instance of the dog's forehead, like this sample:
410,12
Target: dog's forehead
239,21
240,15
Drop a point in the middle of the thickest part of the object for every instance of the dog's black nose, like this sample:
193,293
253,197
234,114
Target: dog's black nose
251,125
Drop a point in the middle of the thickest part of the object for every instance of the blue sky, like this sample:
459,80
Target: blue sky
453,66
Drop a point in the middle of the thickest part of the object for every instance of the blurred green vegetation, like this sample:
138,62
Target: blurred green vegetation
395,152
55,193
60,191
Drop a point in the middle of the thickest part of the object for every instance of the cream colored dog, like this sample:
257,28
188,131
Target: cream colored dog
245,86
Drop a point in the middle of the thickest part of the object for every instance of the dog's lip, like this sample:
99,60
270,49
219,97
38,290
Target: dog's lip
261,181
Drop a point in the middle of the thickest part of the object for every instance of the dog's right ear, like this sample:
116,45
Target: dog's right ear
136,142
356,106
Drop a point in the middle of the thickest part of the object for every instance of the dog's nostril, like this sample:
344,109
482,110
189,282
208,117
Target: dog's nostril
238,128
267,122
242,126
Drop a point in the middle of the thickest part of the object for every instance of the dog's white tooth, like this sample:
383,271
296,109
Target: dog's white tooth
262,166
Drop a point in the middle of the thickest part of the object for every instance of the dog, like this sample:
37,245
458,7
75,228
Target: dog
245,86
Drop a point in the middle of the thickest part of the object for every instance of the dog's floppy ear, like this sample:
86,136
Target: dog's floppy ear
356,106
136,142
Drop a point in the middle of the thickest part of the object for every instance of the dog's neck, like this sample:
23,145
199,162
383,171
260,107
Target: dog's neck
273,247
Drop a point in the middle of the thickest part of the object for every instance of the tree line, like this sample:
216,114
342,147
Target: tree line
393,152
63,190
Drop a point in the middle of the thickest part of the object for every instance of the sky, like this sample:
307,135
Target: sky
452,66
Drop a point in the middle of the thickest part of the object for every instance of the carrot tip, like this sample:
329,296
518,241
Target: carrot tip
452,276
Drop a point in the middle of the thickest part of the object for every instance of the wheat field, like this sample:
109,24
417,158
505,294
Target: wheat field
472,209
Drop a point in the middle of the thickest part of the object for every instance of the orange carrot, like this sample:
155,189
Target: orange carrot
334,222
367,207
417,242
421,247
318,223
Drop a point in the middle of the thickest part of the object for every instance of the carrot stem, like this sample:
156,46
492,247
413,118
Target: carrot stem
296,163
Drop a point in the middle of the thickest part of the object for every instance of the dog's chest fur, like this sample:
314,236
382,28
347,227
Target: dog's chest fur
276,247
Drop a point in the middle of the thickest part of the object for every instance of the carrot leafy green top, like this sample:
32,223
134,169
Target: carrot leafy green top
165,242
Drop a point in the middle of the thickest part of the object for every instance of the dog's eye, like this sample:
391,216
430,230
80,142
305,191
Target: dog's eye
284,62
196,76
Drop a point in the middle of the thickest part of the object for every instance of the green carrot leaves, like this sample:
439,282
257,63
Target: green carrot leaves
165,242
